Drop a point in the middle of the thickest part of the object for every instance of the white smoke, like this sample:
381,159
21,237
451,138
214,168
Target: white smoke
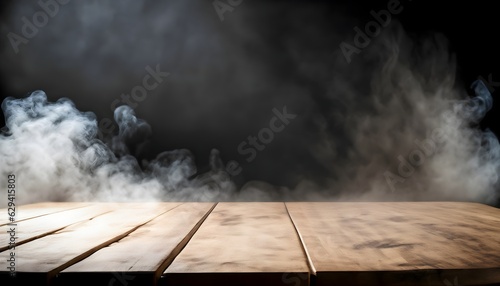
414,135
357,125
53,151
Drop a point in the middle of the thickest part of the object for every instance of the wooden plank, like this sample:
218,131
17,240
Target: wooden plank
28,230
400,243
38,261
29,211
241,244
144,254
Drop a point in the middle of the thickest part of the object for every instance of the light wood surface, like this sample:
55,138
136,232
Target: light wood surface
34,228
400,243
241,244
145,253
40,260
306,243
28,211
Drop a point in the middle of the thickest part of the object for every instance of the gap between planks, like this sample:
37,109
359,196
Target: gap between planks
156,272
40,215
21,242
302,243
182,244
51,274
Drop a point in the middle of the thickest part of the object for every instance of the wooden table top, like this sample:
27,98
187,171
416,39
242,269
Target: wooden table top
253,243
403,243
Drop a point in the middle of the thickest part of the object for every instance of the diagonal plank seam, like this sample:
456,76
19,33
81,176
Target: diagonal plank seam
182,244
51,274
3,248
37,216
304,248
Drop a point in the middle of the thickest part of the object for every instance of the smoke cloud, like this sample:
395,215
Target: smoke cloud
395,123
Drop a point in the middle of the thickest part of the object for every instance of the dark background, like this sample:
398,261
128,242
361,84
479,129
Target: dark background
215,97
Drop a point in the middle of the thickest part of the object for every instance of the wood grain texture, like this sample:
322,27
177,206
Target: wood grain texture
144,254
379,243
28,211
241,244
40,226
40,260
400,243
